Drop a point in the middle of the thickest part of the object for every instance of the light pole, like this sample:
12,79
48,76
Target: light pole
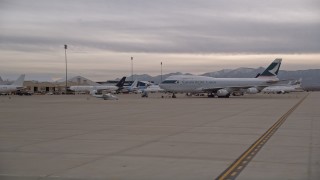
161,73
65,55
132,69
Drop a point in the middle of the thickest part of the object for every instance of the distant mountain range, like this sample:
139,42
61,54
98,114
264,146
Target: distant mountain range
310,77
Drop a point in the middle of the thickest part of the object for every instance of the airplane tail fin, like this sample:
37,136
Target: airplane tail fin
273,69
121,82
134,84
19,81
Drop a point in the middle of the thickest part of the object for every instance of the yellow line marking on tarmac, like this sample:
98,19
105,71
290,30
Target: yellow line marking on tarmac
231,170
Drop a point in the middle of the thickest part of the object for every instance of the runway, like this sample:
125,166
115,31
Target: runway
81,137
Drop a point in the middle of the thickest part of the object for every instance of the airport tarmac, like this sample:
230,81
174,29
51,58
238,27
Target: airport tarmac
81,137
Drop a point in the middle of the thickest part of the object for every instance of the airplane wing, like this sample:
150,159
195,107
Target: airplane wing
279,81
230,88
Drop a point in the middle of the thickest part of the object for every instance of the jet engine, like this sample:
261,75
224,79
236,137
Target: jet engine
223,93
252,90
93,92
281,92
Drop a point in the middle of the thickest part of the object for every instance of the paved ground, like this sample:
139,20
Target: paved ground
80,137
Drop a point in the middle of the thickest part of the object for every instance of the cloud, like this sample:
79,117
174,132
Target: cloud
35,31
163,26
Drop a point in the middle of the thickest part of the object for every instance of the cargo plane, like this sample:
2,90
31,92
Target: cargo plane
222,87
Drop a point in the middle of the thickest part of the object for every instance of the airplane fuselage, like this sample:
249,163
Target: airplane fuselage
109,88
197,84
91,88
8,88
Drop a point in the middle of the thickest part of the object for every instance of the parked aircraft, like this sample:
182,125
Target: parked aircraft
150,89
221,87
282,89
16,85
153,88
107,96
132,88
108,88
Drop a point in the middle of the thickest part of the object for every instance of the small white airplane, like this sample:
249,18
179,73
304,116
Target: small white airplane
107,96
108,88
15,86
282,89
150,89
222,87
153,88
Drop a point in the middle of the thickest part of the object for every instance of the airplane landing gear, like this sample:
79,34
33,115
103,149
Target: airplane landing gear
174,96
227,96
210,95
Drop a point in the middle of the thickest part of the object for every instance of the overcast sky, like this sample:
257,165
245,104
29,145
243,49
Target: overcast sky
187,36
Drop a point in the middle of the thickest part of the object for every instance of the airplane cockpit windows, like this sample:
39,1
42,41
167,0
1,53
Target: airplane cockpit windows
169,82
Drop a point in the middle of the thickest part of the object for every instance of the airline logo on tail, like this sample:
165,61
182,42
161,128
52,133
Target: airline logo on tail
273,68
121,82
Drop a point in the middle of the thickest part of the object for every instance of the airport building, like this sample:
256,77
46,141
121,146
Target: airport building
57,87
44,87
